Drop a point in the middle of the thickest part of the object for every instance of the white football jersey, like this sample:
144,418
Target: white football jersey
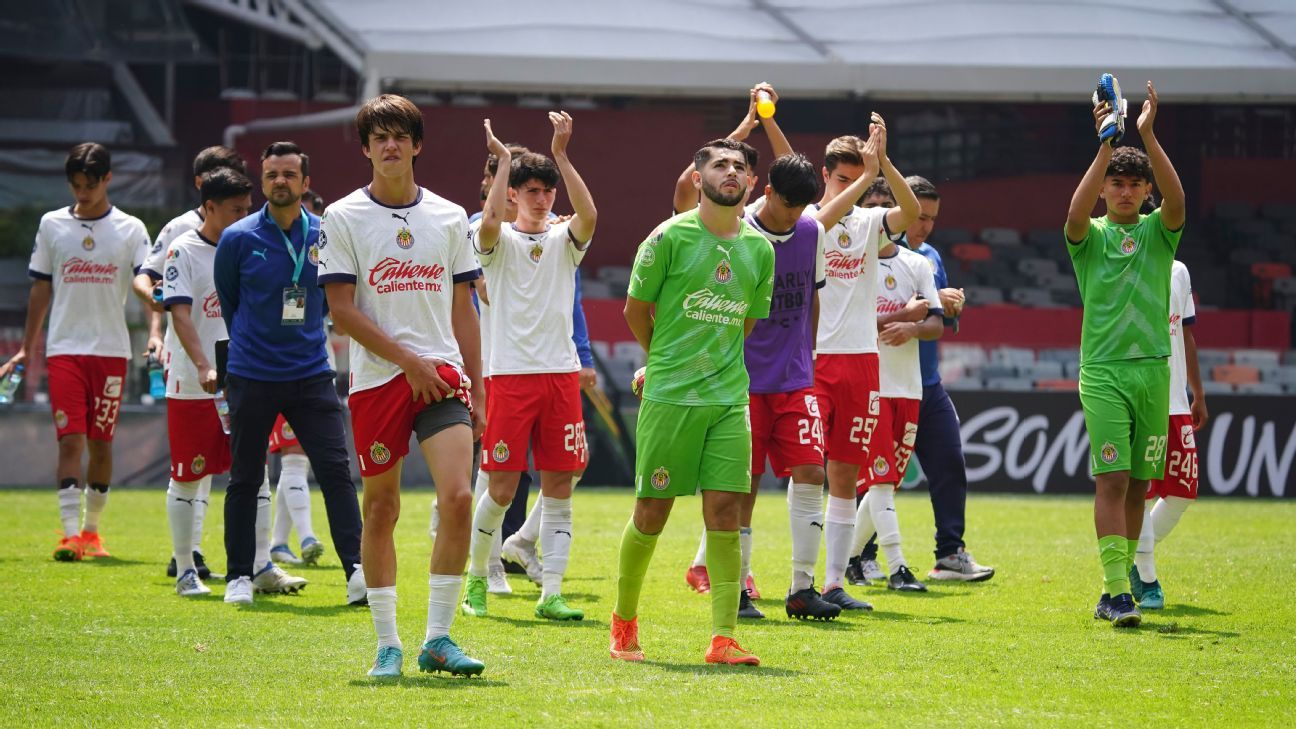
187,278
848,302
483,310
404,263
91,264
183,223
899,277
1182,314
531,283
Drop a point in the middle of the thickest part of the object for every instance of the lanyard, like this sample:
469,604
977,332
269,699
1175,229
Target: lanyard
298,257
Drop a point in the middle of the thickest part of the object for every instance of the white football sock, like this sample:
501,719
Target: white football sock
805,517
95,501
1167,513
744,555
480,489
443,600
700,559
530,529
70,510
555,542
486,524
882,507
200,511
838,532
282,521
293,475
180,497
864,529
1144,558
262,555
382,606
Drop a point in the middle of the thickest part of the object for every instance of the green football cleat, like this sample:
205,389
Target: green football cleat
1153,597
441,654
555,607
474,602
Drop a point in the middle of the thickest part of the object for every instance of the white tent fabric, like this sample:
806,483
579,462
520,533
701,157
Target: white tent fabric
1001,49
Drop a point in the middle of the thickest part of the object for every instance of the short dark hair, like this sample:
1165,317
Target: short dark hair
90,159
531,166
703,155
922,188
313,200
216,157
878,188
392,112
224,183
843,149
283,149
1129,162
515,150
794,178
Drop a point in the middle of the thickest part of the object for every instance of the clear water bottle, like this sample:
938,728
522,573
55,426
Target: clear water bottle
9,385
157,385
222,410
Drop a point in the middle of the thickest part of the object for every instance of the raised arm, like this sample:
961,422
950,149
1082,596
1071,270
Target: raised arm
1086,194
778,141
1173,208
586,215
898,219
497,198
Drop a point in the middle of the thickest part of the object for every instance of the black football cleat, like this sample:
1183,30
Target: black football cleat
808,605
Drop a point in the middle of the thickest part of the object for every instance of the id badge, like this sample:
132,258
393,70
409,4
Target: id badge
294,306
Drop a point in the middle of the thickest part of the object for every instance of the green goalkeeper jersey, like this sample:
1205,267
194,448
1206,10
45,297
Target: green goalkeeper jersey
705,287
1123,271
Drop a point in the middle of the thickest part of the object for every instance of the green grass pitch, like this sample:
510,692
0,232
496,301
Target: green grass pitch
108,643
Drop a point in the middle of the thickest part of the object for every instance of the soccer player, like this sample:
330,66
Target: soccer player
81,269
200,446
160,345
779,358
278,364
846,367
908,310
939,446
709,276
1170,495
534,398
1122,263
395,264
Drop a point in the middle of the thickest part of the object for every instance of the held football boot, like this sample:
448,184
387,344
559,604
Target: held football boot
1113,126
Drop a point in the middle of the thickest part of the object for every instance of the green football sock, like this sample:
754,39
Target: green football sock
1115,564
1131,548
723,559
636,552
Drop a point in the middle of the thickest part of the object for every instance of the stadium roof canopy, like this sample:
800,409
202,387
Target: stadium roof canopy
1001,49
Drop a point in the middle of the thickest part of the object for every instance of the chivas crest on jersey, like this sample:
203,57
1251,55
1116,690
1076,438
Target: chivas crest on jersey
724,272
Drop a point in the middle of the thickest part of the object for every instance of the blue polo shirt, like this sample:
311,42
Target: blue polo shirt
929,351
253,267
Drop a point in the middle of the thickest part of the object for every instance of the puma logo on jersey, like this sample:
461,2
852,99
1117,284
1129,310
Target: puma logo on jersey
722,249
403,218
260,252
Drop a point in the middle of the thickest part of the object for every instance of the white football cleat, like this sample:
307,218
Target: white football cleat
496,582
522,553
356,594
272,578
239,591
190,586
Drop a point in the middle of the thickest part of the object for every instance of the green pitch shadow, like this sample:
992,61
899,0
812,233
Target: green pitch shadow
429,681
712,669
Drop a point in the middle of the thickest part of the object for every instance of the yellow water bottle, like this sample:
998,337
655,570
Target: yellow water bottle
764,104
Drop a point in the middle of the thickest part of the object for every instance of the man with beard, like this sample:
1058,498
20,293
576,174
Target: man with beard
710,276
277,364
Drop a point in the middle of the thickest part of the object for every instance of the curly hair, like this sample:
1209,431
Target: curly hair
1129,162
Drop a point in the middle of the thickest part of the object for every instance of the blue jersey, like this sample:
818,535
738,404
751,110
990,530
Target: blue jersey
929,351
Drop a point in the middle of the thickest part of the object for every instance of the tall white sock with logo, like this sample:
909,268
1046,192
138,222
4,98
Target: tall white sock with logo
262,555
282,521
805,517
487,519
530,529
382,607
479,493
882,506
443,598
180,498
864,529
293,476
69,498
1145,558
555,542
1160,520
200,510
744,555
838,532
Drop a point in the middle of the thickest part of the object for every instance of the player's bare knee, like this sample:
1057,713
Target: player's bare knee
455,504
72,446
812,474
556,484
650,515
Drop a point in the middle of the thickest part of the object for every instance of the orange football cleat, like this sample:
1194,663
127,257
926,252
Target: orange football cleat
750,584
625,639
92,545
697,578
727,650
69,549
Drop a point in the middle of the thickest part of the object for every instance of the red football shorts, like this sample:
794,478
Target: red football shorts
1181,462
541,410
382,418
199,447
893,443
282,436
786,428
85,394
846,386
